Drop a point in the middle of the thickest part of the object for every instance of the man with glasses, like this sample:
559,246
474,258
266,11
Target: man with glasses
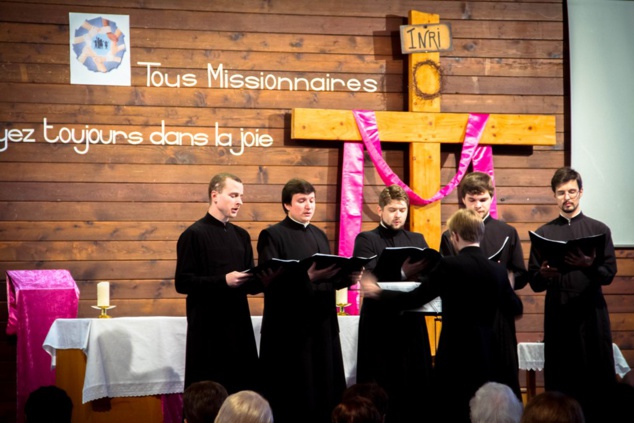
577,337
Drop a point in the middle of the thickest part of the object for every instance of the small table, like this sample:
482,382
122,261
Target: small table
141,357
531,358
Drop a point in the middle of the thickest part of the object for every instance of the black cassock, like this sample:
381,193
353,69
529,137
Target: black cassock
300,351
577,336
393,347
220,341
512,258
472,289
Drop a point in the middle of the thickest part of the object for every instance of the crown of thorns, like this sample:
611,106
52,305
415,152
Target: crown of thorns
433,65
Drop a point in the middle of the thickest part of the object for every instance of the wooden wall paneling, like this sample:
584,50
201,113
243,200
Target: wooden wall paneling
115,212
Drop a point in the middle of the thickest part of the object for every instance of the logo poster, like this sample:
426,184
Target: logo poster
99,49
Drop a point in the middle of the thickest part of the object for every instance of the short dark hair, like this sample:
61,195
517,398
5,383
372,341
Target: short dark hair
202,400
372,391
295,186
476,183
563,175
217,183
552,406
356,410
48,404
468,224
393,192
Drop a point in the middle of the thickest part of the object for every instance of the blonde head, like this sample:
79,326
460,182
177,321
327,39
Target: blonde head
245,407
467,224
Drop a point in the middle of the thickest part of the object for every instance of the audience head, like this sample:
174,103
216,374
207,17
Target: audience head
372,391
48,404
495,403
356,410
245,407
553,407
202,400
467,224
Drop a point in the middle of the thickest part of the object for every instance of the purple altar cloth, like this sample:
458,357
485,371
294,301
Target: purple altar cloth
36,298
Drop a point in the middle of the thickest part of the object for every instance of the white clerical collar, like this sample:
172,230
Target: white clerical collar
299,223
569,219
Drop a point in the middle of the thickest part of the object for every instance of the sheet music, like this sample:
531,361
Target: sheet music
432,307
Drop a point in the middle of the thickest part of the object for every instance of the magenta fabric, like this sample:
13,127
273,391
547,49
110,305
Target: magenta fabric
351,213
172,407
366,121
36,298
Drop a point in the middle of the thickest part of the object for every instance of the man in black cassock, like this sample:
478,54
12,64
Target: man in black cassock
476,191
212,255
393,347
300,351
472,289
577,337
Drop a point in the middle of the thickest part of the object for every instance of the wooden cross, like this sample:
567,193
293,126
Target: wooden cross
425,128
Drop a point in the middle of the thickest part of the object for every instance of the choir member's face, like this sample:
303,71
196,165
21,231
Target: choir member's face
225,204
302,207
568,196
480,203
394,214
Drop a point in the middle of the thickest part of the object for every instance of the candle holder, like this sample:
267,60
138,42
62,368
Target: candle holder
104,313
341,307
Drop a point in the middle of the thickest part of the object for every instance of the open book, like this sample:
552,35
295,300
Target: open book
347,265
391,259
432,307
554,251
273,264
498,254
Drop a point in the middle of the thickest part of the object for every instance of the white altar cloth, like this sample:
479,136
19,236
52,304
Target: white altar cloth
140,356
125,357
531,357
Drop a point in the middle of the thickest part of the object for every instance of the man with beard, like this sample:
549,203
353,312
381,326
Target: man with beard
212,255
577,337
476,192
393,346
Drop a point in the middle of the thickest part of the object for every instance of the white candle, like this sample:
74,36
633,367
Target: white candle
342,296
103,294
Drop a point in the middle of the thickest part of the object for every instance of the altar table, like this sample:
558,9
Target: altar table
531,359
141,357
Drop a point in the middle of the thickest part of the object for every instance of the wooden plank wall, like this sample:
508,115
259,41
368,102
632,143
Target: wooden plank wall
115,212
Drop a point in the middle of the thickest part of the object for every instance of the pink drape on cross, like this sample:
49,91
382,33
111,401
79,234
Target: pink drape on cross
350,217
36,298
